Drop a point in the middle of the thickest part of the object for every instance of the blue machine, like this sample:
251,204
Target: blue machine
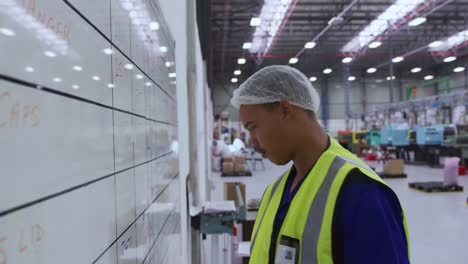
433,135
395,135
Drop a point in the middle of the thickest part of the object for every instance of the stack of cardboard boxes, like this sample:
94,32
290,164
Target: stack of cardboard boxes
234,166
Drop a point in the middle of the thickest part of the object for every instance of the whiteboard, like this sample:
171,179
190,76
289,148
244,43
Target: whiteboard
88,133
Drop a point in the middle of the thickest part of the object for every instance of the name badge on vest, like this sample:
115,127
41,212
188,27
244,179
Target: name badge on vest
288,251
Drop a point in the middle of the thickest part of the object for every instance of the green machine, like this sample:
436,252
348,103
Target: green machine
373,137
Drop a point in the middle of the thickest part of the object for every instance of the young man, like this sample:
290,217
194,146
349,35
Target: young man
329,207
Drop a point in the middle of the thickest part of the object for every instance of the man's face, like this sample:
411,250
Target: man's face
267,129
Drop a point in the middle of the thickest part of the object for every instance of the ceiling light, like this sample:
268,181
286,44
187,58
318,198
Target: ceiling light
313,79
347,60
237,72
76,86
234,80
417,21
77,68
351,78
168,64
415,70
428,77
57,79
128,66
110,85
247,45
255,21
393,78
163,49
139,76
108,51
241,61
148,84
375,44
50,54
452,41
293,60
386,21
29,69
398,59
371,70
327,71
435,44
7,32
310,45
154,26
96,78
172,75
450,59
459,69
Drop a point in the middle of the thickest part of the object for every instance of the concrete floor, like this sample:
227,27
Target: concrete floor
438,222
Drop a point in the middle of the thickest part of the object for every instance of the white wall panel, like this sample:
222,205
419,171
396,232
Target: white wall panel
66,229
123,140
125,199
51,27
49,143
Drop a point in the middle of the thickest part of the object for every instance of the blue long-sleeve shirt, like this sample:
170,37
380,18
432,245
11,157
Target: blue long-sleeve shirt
367,225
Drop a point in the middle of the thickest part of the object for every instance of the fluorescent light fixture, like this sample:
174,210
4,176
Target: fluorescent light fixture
96,78
415,70
347,60
387,20
293,60
417,21
148,84
375,45
459,69
313,79
398,59
7,32
153,25
237,72
50,54
450,59
435,44
310,45
172,75
241,61
108,51
428,77
139,76
351,78
393,78
327,71
77,68
247,45
270,18
128,66
29,69
110,85
255,21
234,80
57,79
163,49
371,70
451,42
76,86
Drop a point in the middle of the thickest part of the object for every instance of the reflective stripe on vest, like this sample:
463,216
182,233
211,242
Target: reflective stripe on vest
313,225
273,189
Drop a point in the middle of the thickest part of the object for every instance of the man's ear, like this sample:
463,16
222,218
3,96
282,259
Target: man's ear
287,109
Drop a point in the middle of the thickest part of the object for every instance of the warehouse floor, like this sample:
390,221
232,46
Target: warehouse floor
438,222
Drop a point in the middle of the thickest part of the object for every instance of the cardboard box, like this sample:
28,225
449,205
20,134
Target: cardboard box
394,167
230,193
239,168
239,159
228,167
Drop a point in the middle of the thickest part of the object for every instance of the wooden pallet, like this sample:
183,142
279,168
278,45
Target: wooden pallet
392,176
430,187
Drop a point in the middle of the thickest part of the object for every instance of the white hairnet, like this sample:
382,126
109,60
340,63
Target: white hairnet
275,83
